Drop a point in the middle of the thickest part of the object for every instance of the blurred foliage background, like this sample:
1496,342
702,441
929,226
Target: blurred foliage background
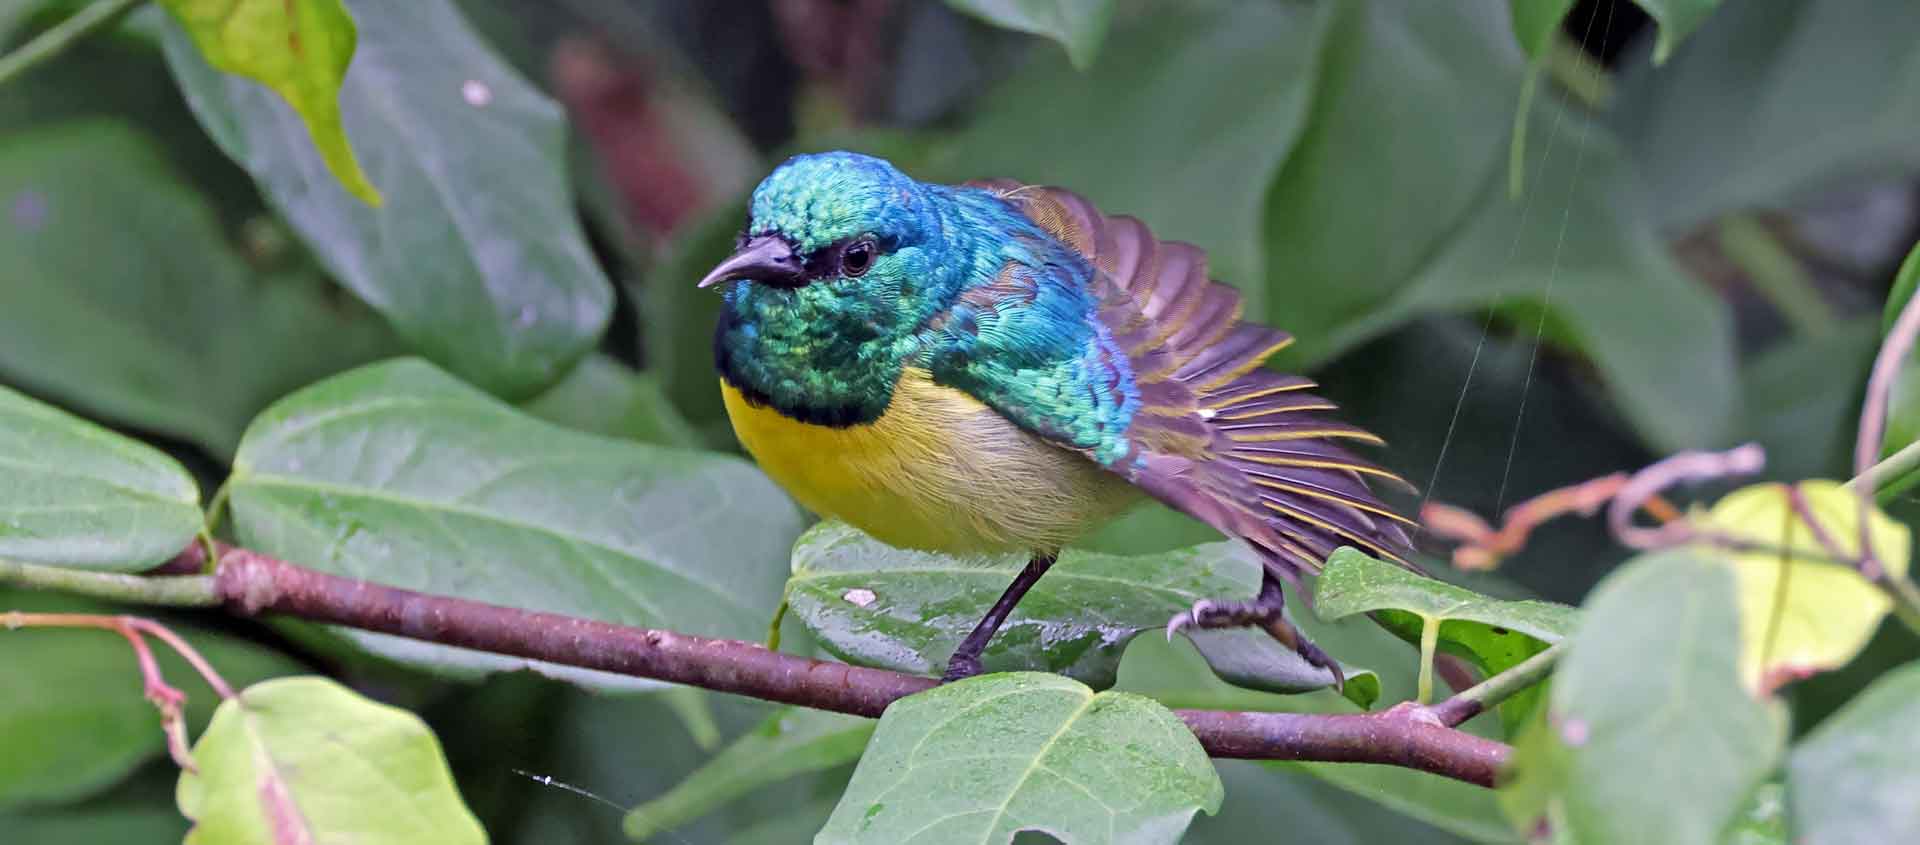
1526,253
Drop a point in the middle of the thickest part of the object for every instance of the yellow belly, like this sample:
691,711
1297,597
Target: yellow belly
938,471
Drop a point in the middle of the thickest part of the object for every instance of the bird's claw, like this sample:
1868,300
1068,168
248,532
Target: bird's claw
1190,617
1266,615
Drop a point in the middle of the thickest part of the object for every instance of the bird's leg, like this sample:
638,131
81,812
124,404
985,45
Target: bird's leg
1264,611
966,659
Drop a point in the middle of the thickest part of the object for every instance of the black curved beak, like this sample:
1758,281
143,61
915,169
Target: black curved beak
764,258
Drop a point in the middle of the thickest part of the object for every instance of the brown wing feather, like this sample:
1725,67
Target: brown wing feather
1230,444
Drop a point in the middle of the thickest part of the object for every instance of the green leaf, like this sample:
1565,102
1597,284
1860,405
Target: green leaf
1652,674
1724,125
476,257
300,50
1802,400
305,759
984,758
1078,25
1764,819
875,605
1677,19
604,396
71,713
1201,178
1378,158
400,474
1493,634
1818,614
1853,779
792,741
75,494
1313,812
104,234
1903,404
1535,22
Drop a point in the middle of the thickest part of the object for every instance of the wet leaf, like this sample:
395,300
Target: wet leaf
400,474
75,494
792,741
875,605
1817,614
1853,779
984,758
305,759
1078,25
1493,634
300,50
1652,673
497,285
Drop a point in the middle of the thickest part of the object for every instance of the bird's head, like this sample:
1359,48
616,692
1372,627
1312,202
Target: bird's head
839,218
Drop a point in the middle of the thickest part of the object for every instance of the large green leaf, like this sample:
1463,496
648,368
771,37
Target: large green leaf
1802,613
1724,125
1535,22
1853,779
876,605
75,494
125,297
305,759
1199,178
400,474
476,257
790,742
1078,25
1802,400
72,719
984,758
1494,634
604,396
1652,674
300,50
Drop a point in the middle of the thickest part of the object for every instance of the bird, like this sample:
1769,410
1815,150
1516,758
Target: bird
996,367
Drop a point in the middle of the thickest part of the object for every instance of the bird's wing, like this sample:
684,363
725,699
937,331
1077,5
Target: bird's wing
1208,432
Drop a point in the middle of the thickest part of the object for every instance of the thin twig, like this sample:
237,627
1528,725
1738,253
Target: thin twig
1677,468
1886,370
62,35
170,591
1487,694
1879,477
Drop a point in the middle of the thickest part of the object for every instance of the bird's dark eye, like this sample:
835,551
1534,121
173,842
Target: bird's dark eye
857,258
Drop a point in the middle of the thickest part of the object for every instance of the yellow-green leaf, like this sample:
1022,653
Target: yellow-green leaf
298,49
305,759
1824,612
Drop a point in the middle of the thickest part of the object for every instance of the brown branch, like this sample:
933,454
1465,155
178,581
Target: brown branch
253,584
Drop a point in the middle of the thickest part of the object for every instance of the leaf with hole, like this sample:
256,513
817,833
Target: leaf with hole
1493,634
1853,779
77,495
300,51
793,741
399,473
875,605
1808,612
984,758
1652,673
1077,25
497,285
305,759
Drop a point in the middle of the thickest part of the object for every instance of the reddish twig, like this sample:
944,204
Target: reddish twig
1680,467
167,698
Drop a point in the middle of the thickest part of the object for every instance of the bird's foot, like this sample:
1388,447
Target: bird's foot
1264,613
961,667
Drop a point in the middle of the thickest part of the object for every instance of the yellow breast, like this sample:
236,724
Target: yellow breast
937,471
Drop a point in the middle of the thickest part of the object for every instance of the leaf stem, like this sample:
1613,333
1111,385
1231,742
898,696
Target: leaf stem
1885,478
62,35
1489,693
1775,274
1429,644
168,591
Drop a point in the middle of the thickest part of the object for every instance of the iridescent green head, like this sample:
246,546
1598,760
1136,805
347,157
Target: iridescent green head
843,260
